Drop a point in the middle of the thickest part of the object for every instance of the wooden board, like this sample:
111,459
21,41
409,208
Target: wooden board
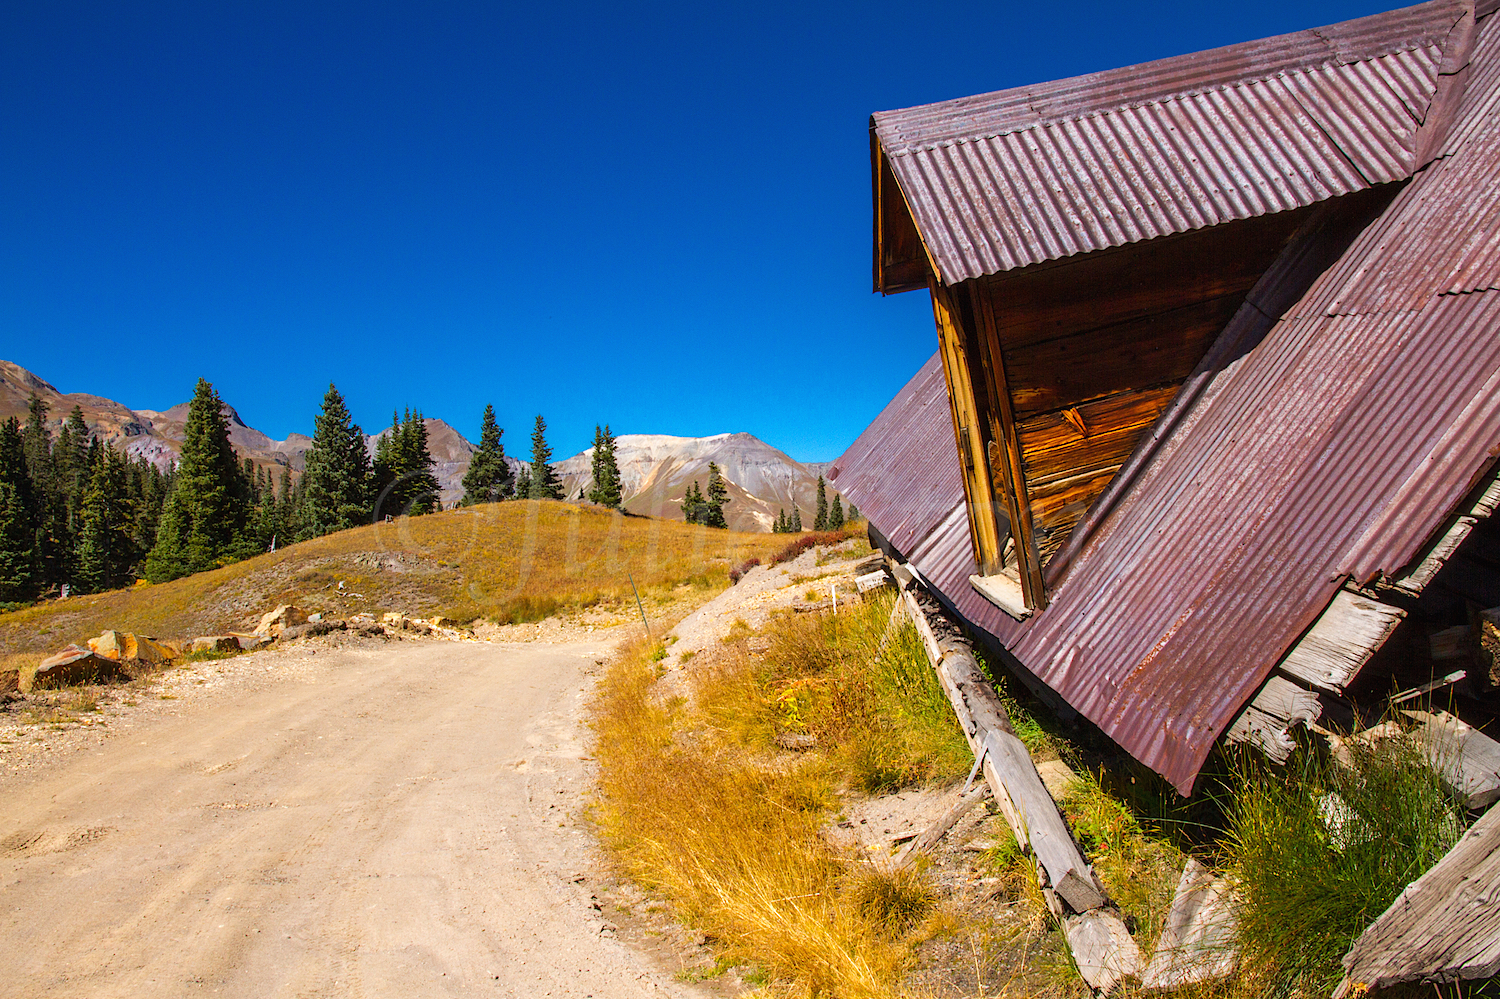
1096,362
1103,949
1041,303
1341,641
1197,943
1468,759
1444,927
1267,722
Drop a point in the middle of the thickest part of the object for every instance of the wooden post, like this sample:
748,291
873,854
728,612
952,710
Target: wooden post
1102,946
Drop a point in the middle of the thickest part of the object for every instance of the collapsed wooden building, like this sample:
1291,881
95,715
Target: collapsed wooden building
1209,442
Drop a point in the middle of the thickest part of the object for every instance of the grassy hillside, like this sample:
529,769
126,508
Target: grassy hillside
504,561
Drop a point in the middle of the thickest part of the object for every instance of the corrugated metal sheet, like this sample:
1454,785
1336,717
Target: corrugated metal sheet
1022,176
893,464
1335,448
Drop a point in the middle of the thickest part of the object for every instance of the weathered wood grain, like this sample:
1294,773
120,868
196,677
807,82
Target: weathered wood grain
1103,949
1267,722
1348,632
1445,927
1197,943
1468,759
1036,304
1052,446
1095,362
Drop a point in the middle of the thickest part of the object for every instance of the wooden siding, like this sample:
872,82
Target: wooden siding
1094,349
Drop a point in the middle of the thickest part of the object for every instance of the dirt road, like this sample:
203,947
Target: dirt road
387,821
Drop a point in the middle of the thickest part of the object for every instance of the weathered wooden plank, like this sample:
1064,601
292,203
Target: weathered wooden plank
962,805
1444,927
1094,362
1341,641
1456,533
1197,943
1035,304
1267,722
1019,791
1103,949
1053,447
1468,759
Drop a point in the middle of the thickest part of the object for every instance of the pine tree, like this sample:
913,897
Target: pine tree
605,490
336,476
419,487
718,496
523,483
488,478
17,537
836,514
796,520
204,519
820,518
544,481
105,555
44,506
853,512
18,569
780,526
693,505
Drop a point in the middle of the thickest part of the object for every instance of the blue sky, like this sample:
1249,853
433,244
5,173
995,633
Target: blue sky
654,216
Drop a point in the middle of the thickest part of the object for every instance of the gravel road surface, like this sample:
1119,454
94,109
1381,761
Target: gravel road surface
391,820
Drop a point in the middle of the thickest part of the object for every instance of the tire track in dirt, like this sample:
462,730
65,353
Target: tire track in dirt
399,820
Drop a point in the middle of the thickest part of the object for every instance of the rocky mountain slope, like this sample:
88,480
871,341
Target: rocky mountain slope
656,469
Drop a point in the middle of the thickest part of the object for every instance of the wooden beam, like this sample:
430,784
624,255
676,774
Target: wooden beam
1033,815
1004,432
968,431
1444,927
1349,631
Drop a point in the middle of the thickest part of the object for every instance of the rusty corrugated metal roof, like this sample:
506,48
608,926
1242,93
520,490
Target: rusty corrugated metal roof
1036,173
1334,448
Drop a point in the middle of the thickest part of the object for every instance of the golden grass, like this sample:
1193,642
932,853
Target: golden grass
699,805
506,561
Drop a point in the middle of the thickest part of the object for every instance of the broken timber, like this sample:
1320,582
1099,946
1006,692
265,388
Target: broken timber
1102,947
929,837
1445,927
1351,629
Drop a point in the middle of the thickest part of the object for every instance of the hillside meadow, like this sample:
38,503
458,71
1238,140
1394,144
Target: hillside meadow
506,562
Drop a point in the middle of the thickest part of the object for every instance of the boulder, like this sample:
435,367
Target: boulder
310,630
281,618
248,642
149,650
119,646
214,643
111,645
70,666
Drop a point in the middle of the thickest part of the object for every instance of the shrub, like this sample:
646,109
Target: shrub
805,541
738,572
